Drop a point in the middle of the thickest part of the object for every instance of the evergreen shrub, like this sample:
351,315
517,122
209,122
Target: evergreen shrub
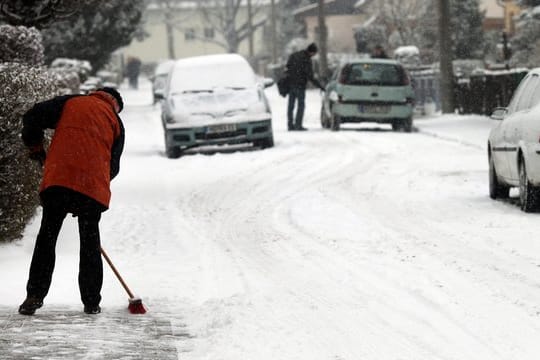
23,82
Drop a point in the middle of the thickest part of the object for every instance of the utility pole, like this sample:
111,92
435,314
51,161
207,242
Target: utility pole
446,57
274,31
250,28
170,32
323,40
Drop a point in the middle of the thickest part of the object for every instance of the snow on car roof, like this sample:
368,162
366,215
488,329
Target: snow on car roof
164,67
212,71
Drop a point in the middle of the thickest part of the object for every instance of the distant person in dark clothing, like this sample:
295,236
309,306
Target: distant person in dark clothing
133,68
300,71
379,53
83,157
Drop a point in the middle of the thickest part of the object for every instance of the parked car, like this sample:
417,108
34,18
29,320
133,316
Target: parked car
368,90
514,145
159,79
215,100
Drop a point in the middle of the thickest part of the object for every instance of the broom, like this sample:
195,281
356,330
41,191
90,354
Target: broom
135,303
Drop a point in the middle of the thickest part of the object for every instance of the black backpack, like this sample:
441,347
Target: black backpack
283,84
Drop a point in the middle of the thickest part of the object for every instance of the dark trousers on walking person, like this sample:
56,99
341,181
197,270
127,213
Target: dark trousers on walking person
298,96
57,203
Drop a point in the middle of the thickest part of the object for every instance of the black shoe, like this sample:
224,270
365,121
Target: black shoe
92,309
301,128
30,305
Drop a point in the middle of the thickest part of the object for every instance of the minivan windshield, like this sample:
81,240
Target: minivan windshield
373,74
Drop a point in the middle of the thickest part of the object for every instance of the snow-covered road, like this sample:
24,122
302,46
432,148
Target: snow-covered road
362,244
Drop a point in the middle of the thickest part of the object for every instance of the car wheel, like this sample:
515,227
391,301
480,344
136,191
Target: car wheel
496,189
265,143
324,118
407,125
396,125
528,194
172,152
335,122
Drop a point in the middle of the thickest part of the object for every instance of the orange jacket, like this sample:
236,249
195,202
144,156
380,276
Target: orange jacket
86,146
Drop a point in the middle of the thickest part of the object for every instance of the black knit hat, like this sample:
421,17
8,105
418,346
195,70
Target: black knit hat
116,94
312,48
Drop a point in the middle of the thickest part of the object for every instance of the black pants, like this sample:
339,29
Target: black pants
296,95
57,202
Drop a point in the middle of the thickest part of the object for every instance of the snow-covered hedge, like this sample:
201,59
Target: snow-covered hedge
23,82
21,44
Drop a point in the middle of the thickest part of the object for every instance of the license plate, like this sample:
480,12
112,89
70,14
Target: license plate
222,128
374,109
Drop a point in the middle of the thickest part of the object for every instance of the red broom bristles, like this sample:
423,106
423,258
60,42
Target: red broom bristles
136,306
135,303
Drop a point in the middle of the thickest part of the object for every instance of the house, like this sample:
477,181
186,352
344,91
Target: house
180,29
342,17
500,14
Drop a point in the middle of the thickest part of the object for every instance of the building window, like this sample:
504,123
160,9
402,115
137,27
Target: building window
189,34
209,33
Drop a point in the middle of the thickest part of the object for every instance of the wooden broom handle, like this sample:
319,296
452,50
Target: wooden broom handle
116,273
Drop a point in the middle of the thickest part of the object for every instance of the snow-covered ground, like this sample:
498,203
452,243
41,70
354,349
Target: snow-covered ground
361,244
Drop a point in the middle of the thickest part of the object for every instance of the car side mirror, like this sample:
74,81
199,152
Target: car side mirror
267,82
499,113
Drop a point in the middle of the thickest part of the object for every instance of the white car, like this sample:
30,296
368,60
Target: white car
514,145
215,100
159,79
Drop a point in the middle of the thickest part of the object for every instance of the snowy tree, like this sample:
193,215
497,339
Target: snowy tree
40,13
466,28
94,32
529,3
526,41
287,26
224,16
399,17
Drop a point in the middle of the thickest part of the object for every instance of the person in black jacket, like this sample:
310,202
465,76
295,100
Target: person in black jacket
82,159
379,53
300,71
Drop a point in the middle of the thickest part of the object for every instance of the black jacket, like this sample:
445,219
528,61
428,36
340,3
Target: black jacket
300,70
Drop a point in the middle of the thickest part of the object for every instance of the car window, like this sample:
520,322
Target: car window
373,74
524,102
535,96
512,107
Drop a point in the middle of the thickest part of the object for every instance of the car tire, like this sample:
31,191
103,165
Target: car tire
528,194
335,122
265,143
172,152
325,123
407,125
496,189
